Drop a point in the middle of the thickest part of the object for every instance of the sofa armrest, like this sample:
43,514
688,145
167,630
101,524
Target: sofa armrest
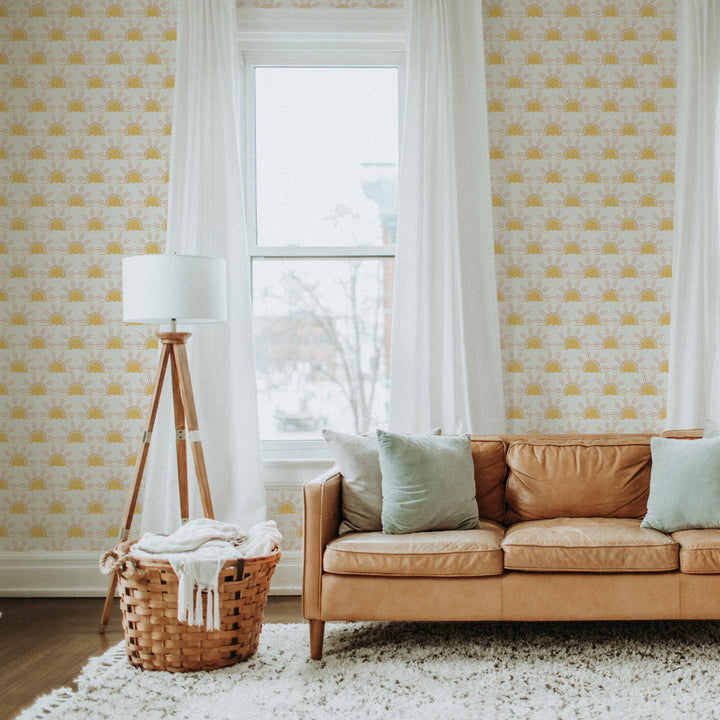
323,514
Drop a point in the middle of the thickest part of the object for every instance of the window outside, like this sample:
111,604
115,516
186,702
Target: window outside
326,148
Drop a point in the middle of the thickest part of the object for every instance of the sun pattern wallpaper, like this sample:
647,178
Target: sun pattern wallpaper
581,101
581,106
86,96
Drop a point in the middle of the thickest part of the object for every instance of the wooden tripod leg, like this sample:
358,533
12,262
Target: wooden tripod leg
180,358
108,602
180,433
137,478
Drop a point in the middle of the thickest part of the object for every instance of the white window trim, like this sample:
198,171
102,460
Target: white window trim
379,29
288,43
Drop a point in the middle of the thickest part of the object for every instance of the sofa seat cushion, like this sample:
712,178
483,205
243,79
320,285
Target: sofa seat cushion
699,551
442,553
588,545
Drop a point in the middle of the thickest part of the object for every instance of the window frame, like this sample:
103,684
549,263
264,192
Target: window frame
346,52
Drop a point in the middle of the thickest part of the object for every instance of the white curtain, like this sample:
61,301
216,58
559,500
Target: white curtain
446,365
206,217
693,387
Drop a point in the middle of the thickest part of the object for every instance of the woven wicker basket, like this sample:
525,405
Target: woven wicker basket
154,637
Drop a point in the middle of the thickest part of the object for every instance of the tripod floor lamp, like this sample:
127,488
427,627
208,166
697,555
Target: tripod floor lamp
161,290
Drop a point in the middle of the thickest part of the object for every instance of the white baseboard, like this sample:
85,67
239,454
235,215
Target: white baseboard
287,579
76,574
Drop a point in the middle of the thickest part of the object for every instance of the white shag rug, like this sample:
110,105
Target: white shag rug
454,671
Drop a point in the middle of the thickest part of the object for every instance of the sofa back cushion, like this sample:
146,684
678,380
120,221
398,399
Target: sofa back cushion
583,476
488,453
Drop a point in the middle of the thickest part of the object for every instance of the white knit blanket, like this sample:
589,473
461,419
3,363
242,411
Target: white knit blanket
197,552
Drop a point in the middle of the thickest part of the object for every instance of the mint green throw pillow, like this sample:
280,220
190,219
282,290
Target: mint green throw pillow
684,485
428,483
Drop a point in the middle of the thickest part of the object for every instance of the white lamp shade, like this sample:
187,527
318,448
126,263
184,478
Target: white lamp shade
186,288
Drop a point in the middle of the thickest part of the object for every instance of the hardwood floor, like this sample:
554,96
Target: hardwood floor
45,642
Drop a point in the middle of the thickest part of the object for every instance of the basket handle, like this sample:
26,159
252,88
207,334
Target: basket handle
112,562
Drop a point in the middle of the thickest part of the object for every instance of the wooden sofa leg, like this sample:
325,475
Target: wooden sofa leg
317,632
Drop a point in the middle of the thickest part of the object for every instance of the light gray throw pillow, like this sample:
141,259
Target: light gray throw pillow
428,483
359,464
684,484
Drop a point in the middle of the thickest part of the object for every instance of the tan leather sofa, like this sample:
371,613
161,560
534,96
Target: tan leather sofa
560,539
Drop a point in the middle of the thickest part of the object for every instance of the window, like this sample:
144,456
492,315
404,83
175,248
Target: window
322,206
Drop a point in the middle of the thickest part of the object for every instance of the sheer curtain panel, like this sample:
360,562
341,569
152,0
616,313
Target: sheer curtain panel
206,217
446,365
693,392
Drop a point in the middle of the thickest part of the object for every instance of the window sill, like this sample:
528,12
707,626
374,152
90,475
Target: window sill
298,452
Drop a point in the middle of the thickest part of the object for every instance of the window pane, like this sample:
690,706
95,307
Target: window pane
326,155
322,338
